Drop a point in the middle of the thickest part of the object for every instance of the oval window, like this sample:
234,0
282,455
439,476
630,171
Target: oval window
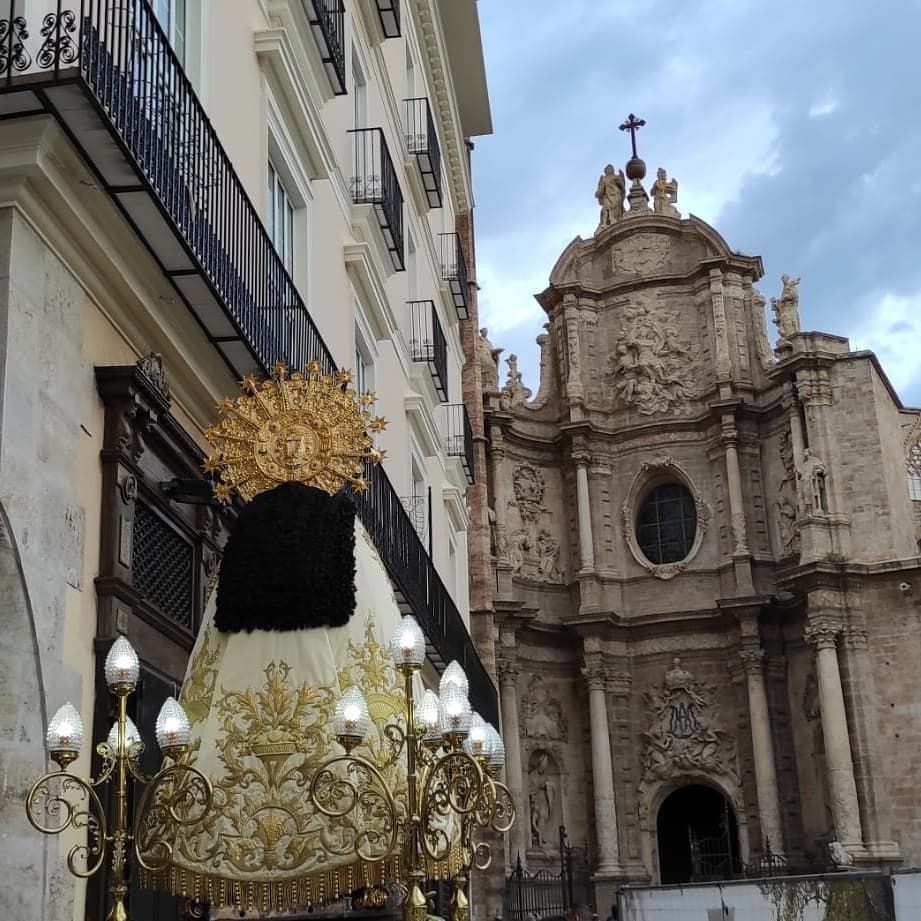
666,523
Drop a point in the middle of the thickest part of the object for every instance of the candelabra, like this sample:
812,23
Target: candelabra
178,794
452,758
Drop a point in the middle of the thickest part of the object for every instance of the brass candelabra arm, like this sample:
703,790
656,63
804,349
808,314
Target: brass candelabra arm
503,814
396,740
60,800
177,795
351,790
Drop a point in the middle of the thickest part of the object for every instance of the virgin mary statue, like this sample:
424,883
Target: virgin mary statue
303,610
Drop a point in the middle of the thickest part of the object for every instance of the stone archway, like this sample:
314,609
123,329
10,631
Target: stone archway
23,857
697,835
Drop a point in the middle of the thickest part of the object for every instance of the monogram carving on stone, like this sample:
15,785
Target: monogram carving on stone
684,734
529,486
543,713
640,254
652,367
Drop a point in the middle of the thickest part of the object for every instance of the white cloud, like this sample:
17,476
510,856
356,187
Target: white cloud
824,106
890,325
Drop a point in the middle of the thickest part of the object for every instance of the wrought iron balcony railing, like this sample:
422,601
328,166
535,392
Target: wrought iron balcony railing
459,436
422,142
427,343
389,13
374,182
105,71
417,509
327,22
454,271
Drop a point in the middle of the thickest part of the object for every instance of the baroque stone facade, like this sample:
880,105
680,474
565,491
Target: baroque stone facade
706,566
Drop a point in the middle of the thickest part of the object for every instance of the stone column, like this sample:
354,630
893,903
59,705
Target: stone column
584,508
602,772
741,554
763,747
514,776
869,773
823,635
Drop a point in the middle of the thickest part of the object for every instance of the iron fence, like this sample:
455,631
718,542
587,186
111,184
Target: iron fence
422,143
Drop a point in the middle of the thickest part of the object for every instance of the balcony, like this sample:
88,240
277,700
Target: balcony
422,143
417,509
374,182
327,22
454,271
459,437
427,343
389,13
114,85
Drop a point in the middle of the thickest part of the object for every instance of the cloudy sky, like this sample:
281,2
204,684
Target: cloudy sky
793,127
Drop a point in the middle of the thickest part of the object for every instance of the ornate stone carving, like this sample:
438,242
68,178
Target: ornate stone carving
765,355
498,543
822,634
151,366
488,357
543,798
520,545
664,192
655,467
514,390
610,195
684,734
508,670
788,503
548,552
752,661
651,367
529,486
640,254
786,308
811,478
811,709
595,674
543,713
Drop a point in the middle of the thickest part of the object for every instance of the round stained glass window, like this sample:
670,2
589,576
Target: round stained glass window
666,523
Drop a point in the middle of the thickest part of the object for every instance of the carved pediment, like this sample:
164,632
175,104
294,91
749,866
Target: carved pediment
640,254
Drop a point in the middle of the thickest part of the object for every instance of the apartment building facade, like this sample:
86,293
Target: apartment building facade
192,191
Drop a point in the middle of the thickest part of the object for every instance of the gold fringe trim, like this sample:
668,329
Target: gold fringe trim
283,895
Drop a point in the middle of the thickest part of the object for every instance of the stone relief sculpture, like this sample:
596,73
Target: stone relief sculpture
811,477
528,484
611,191
787,506
640,254
786,307
651,367
548,552
498,542
488,357
544,786
543,713
684,733
514,389
664,193
520,545
765,355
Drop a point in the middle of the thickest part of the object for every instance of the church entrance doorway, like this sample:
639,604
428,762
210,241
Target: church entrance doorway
698,836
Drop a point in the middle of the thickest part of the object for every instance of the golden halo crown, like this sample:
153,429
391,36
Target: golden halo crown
307,427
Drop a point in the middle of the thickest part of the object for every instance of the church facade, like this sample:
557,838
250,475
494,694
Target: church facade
706,569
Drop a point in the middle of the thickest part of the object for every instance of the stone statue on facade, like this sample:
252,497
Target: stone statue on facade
548,552
765,355
786,520
543,799
514,387
520,545
498,543
811,476
664,194
611,191
786,307
488,357
839,856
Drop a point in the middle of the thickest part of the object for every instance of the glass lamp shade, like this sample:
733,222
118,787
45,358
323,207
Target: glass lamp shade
122,666
454,675
351,719
408,644
496,747
427,716
132,736
454,712
173,728
477,742
65,731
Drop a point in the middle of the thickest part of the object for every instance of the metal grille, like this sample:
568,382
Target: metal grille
162,566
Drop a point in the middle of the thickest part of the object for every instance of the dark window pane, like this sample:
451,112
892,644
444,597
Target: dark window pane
666,523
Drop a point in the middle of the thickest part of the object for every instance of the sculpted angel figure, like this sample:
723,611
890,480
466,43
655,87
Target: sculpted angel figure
664,194
610,194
